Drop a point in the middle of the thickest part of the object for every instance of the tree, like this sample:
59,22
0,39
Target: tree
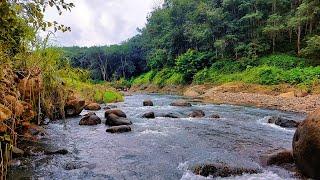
313,48
273,28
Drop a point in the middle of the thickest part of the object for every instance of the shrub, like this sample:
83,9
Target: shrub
202,76
283,61
175,79
227,66
189,63
112,96
144,78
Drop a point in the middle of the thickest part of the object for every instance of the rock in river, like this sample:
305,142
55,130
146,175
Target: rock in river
149,115
278,158
214,116
147,103
222,170
90,119
74,107
119,129
116,112
306,146
114,120
93,107
286,123
197,114
181,103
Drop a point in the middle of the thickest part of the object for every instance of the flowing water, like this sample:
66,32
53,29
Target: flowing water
162,148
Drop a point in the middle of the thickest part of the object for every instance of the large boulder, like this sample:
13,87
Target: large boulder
119,129
92,107
286,123
197,114
90,119
149,115
306,146
222,170
116,112
181,103
114,120
147,103
74,107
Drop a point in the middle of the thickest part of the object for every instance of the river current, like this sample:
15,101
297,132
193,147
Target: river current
161,148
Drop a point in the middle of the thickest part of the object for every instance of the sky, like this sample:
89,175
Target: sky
101,22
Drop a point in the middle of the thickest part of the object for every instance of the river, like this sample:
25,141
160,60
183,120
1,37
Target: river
161,148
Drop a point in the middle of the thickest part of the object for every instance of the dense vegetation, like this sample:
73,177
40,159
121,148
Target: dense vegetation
216,41
36,81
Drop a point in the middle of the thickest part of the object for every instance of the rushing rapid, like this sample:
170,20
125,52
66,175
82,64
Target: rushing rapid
161,148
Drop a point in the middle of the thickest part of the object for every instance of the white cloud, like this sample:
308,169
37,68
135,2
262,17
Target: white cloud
101,22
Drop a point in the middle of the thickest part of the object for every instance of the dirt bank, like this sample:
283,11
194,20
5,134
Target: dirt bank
282,97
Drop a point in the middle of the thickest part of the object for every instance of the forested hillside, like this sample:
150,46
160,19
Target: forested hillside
184,41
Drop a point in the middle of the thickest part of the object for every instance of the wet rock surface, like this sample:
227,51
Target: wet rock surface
222,170
181,103
278,158
286,123
92,107
114,120
197,114
90,119
147,103
74,107
306,146
119,129
214,116
149,115
116,112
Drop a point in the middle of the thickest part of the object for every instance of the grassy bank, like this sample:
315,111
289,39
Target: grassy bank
274,70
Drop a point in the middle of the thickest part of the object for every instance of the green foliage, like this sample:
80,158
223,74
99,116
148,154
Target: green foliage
144,78
121,84
175,79
112,96
313,48
271,70
157,59
283,61
227,66
190,62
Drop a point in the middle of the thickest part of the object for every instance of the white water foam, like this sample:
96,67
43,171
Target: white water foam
267,175
149,131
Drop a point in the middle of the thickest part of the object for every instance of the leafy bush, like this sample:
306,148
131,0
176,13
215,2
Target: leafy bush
302,75
202,76
157,59
175,79
282,61
266,75
144,78
227,66
122,83
112,96
190,62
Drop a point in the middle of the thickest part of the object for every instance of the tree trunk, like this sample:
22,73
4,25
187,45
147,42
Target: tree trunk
273,43
298,39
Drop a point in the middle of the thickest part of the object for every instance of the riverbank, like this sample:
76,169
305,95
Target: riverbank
282,97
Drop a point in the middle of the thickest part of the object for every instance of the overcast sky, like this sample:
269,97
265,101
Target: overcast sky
101,22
